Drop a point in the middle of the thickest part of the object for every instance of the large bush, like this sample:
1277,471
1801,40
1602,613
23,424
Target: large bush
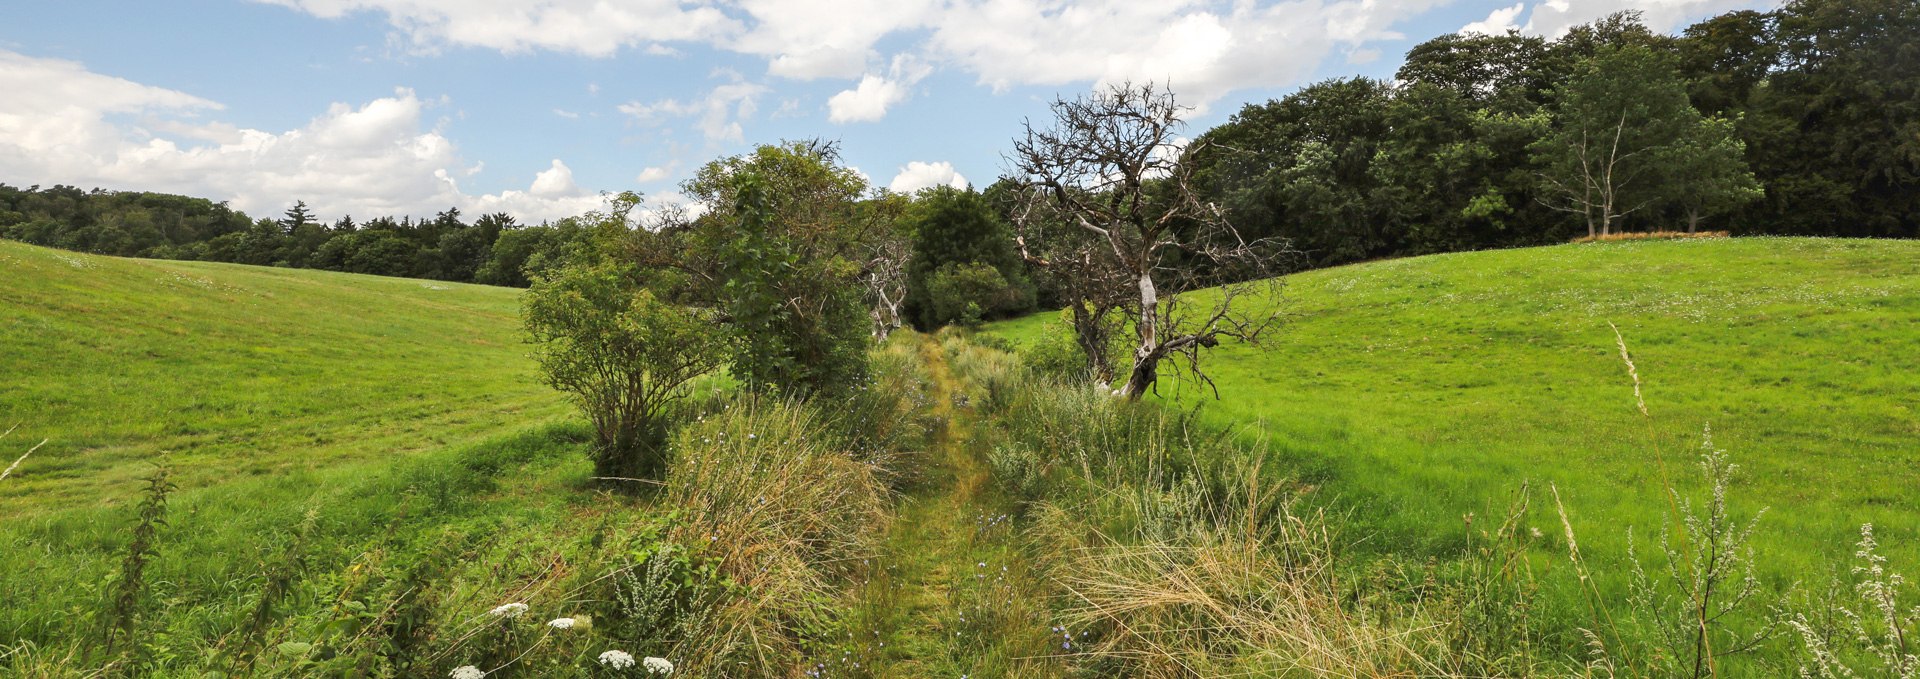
625,356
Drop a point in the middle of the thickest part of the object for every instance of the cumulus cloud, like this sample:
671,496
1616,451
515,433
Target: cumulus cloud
63,123
917,175
870,100
1498,22
652,174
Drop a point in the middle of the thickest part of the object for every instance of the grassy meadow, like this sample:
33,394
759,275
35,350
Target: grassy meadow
1417,392
232,370
361,471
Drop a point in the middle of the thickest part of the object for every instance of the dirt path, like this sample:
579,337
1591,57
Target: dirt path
954,594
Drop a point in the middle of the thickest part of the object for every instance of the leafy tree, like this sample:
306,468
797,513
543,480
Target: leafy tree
1618,124
780,252
625,356
800,331
1707,172
1502,73
953,228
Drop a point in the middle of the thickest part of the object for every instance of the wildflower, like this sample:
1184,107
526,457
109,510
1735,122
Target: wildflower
561,623
466,672
512,610
657,665
618,660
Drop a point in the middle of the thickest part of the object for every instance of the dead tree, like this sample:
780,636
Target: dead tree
1074,261
885,278
1110,168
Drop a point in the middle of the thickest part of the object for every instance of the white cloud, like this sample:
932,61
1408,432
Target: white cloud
820,62
555,182
1498,22
1202,49
918,175
717,115
652,174
65,124
869,101
591,27
569,115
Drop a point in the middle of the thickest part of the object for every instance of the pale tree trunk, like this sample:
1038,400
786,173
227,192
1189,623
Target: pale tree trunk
1693,221
1146,356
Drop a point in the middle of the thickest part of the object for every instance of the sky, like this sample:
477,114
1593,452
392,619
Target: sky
537,107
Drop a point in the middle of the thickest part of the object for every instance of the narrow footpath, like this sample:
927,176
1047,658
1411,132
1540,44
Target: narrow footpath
955,593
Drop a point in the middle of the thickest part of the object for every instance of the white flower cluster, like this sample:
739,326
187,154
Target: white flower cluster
510,610
561,623
657,666
466,672
618,660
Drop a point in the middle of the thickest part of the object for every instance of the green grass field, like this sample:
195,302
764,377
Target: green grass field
1417,391
231,370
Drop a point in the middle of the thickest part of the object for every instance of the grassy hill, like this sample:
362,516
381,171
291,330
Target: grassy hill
1418,391
231,370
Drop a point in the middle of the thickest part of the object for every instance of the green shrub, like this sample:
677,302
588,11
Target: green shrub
965,294
624,356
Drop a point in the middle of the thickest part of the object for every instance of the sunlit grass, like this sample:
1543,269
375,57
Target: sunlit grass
1418,392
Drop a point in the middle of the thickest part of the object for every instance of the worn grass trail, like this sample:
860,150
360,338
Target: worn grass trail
954,593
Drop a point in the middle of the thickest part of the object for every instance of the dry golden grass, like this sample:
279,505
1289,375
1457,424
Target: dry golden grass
1651,235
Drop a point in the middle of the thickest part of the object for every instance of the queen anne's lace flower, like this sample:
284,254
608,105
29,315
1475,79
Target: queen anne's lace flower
618,660
657,666
561,623
466,672
510,610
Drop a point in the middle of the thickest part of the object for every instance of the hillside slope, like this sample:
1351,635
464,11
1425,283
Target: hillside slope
231,370
1419,391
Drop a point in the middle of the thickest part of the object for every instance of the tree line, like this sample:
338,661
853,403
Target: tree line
1797,121
494,249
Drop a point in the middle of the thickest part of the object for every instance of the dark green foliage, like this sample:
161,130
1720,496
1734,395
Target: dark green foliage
956,233
1800,120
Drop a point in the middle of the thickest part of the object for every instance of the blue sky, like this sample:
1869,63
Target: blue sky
375,107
